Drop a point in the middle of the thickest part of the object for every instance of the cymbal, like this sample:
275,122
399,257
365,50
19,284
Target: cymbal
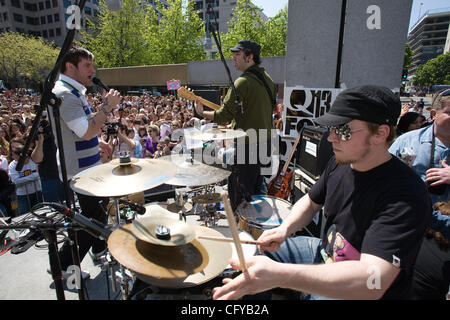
171,267
114,179
194,173
186,207
207,198
216,134
163,231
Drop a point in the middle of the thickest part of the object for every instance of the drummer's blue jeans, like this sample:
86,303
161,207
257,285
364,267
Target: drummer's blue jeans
300,250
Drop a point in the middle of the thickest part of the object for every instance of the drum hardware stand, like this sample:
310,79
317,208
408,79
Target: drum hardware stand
48,98
49,231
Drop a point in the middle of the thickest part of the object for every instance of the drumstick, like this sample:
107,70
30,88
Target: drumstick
234,230
228,240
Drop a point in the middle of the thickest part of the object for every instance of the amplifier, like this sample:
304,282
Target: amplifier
314,151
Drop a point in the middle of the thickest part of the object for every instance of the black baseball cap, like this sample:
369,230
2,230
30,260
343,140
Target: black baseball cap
370,103
251,46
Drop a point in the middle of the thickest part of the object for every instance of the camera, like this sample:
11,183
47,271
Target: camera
113,127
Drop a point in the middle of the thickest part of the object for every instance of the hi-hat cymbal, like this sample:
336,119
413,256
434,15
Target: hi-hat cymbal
113,179
185,208
209,198
216,134
163,231
192,173
171,267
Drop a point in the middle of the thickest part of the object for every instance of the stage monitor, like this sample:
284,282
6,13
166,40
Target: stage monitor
314,151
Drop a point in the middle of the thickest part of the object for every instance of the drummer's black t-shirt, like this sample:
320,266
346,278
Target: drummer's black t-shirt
382,212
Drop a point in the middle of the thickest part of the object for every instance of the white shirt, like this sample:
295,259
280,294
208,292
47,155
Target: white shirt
27,180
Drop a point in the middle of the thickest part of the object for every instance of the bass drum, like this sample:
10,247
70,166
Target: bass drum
264,212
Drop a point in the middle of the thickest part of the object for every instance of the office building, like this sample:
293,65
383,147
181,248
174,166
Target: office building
428,36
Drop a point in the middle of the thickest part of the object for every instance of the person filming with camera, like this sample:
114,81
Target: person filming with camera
122,141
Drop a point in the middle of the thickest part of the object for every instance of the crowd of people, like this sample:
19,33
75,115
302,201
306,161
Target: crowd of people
140,125
143,127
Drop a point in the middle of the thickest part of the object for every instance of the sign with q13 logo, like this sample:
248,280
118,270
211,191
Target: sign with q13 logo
303,105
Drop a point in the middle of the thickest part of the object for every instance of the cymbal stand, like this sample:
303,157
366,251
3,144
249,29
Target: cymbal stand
121,274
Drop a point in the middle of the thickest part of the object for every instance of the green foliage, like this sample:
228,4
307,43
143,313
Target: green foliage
408,57
246,24
435,71
175,35
25,57
273,43
116,38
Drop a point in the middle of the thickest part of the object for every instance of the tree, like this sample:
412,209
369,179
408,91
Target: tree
273,43
408,57
435,71
174,34
25,58
246,24
117,38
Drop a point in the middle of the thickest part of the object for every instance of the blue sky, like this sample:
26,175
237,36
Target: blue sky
271,7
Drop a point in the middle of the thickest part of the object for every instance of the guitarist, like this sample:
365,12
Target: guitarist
257,93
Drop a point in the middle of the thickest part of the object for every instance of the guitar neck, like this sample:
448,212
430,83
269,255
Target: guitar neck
208,103
288,161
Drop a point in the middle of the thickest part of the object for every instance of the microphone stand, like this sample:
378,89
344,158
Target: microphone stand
239,110
238,102
49,98
49,232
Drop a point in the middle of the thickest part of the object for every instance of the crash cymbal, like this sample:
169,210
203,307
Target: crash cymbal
193,173
115,179
171,267
163,231
215,134
185,208
207,198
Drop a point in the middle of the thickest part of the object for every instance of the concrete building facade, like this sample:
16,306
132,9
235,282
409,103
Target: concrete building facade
428,36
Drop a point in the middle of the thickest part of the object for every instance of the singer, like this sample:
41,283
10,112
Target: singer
80,128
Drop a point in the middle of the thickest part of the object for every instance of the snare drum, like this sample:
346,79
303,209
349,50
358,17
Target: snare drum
262,213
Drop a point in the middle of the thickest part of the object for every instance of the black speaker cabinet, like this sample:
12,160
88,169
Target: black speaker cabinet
314,151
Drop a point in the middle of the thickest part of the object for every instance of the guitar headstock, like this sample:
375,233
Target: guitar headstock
186,93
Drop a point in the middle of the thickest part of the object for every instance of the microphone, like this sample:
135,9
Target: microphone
134,206
94,227
114,5
99,83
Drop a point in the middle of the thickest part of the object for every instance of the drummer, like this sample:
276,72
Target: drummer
80,128
377,210
257,107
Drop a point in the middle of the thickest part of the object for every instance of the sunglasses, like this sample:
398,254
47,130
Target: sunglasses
446,93
344,132
17,152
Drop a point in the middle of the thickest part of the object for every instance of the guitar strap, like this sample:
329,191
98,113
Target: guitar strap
269,92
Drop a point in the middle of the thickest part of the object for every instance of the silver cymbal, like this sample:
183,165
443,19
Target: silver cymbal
113,179
216,134
163,231
194,173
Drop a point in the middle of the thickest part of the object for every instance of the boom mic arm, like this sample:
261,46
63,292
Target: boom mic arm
92,226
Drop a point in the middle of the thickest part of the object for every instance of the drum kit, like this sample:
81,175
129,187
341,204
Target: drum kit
181,245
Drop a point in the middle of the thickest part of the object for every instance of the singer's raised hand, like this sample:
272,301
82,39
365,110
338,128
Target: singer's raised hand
112,99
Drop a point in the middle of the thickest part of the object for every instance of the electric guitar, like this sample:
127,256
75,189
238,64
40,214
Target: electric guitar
186,93
280,185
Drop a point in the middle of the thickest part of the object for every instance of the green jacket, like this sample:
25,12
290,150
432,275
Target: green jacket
256,104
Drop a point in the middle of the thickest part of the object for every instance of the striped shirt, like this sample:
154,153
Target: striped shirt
75,113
